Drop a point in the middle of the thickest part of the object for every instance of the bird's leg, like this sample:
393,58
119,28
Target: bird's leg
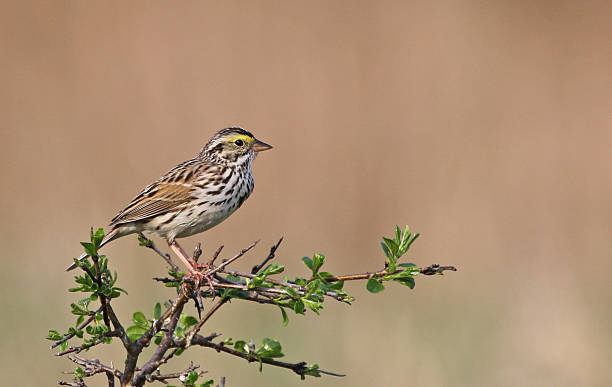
192,266
178,250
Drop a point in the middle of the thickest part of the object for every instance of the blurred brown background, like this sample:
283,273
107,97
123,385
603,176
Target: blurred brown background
484,125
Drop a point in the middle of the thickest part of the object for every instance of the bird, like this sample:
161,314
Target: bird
194,196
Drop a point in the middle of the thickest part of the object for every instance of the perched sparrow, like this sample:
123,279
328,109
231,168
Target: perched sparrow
194,196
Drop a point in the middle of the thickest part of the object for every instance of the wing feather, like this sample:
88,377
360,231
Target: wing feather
156,200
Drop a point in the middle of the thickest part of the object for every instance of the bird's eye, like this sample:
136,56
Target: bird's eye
239,142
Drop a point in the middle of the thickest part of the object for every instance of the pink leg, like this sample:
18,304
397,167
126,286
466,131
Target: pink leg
178,250
192,266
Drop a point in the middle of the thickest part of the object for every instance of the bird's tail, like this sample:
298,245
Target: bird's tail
114,234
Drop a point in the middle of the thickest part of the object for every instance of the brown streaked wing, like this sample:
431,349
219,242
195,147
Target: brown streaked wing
156,200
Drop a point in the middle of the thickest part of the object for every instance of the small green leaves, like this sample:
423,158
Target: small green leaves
185,322
53,335
285,318
394,249
97,237
260,279
308,262
315,263
298,307
141,325
140,320
91,248
374,285
157,311
142,241
134,332
312,305
79,373
192,377
312,370
269,348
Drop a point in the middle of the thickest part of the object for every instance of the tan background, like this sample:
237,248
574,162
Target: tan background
484,125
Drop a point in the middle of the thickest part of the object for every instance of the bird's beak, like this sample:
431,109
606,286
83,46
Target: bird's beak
260,146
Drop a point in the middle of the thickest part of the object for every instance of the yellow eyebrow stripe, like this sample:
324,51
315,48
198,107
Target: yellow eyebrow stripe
242,137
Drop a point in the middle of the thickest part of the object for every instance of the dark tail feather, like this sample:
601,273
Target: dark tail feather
114,234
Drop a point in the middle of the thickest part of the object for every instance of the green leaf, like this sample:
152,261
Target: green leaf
188,321
273,268
144,242
386,250
308,262
411,268
407,242
89,248
228,341
312,370
79,373
285,317
192,377
134,332
98,237
398,235
290,291
242,346
408,281
140,320
207,383
391,245
374,286
157,311
270,348
54,335
312,305
317,261
298,307
78,310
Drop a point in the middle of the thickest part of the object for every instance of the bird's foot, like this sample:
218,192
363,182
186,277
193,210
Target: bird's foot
199,272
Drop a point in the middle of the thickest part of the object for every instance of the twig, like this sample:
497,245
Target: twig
197,252
429,270
98,280
436,269
161,377
270,256
78,349
166,342
298,368
77,383
81,326
232,259
94,366
212,260
107,311
196,328
149,243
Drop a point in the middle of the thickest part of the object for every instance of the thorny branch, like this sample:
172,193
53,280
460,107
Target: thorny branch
299,368
167,323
